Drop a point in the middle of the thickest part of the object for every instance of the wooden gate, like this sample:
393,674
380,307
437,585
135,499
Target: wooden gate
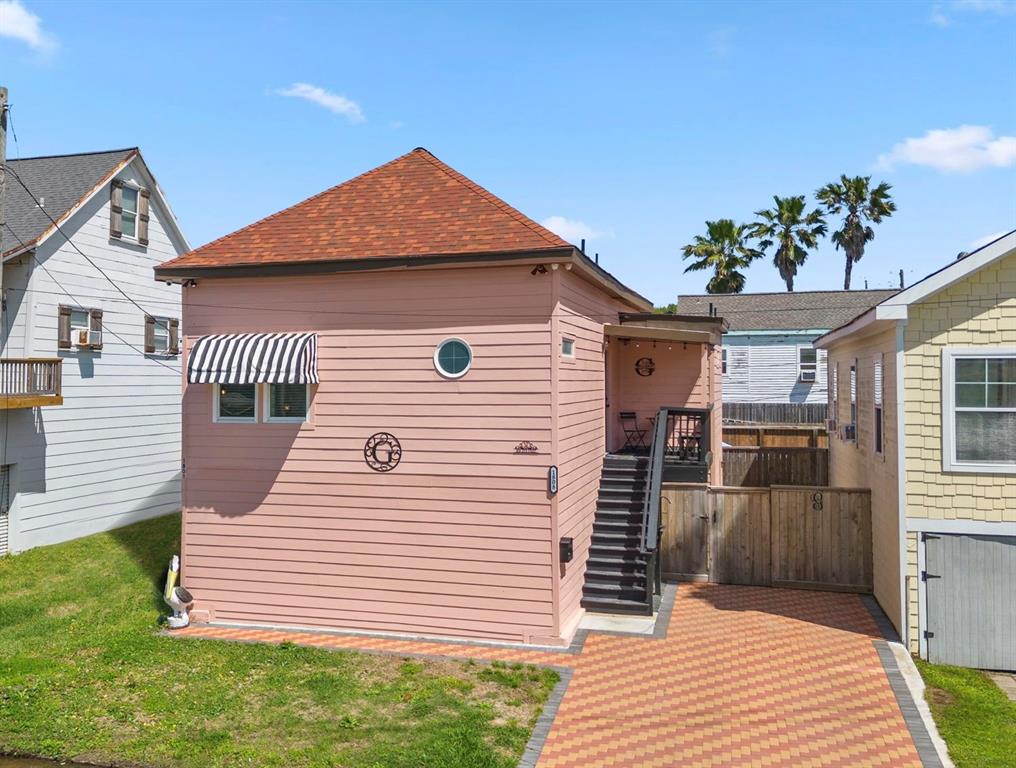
809,537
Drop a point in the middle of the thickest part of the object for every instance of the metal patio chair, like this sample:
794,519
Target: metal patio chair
634,436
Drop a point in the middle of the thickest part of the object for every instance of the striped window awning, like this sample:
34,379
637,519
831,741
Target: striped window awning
254,358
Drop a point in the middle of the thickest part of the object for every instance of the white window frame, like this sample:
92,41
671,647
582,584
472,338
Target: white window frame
568,353
266,404
76,329
162,322
878,404
949,462
234,419
124,212
723,361
437,362
813,367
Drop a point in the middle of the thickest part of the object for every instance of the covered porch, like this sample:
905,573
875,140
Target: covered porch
671,362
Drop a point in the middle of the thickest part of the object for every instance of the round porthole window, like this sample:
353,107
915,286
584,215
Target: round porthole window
452,358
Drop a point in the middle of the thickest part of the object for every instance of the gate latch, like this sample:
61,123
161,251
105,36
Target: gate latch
925,576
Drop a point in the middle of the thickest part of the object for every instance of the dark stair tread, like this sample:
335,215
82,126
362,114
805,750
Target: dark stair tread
610,605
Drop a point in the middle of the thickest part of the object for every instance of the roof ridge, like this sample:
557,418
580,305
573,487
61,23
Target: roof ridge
784,293
491,198
74,154
288,208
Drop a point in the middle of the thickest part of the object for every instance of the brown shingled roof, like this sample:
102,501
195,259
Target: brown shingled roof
785,310
412,206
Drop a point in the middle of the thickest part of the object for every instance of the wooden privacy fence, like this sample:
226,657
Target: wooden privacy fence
775,436
760,467
785,536
775,413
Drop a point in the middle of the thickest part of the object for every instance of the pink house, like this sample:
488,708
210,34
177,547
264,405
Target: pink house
403,413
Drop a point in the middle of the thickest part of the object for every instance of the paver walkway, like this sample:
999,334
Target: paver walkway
746,676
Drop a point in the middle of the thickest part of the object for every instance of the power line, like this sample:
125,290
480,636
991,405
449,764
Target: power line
482,314
69,241
79,303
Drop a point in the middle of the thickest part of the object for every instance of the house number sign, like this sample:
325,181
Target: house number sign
382,452
645,366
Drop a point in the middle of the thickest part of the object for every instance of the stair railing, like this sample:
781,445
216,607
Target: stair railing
650,538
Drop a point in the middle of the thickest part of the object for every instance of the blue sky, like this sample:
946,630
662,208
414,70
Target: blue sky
633,123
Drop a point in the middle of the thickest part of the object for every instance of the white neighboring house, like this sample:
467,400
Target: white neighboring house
89,383
768,357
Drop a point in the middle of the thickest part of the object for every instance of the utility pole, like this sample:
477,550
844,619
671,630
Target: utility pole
3,182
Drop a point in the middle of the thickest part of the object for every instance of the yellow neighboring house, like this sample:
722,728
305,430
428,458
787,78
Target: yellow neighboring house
936,364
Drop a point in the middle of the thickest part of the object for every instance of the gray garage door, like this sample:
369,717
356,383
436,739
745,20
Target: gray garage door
971,589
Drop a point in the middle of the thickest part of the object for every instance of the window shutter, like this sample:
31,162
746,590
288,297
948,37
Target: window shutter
115,208
95,325
149,334
143,196
174,337
63,328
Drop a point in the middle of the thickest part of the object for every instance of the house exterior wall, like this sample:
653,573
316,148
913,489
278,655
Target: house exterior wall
582,311
762,368
110,455
856,464
286,524
977,311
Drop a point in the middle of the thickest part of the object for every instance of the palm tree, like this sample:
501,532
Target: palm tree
725,251
862,204
793,231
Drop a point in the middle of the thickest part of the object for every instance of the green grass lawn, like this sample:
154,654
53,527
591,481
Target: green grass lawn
974,717
84,674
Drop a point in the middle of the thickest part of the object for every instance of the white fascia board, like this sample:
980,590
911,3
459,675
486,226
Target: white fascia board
955,272
795,332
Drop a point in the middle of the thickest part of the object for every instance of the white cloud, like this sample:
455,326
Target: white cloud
573,230
954,150
19,23
998,7
333,102
982,241
940,13
938,16
721,42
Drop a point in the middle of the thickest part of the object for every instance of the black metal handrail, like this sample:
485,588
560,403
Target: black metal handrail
682,435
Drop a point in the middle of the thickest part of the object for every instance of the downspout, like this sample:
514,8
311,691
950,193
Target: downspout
901,478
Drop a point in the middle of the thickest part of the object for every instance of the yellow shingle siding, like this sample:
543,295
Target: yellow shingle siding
856,464
978,311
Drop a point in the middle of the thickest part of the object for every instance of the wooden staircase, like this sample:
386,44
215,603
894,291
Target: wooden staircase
617,573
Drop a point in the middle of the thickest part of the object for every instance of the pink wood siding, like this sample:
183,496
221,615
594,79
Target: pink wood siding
582,312
286,524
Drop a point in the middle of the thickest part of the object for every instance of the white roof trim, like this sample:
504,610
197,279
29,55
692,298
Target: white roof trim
895,307
174,226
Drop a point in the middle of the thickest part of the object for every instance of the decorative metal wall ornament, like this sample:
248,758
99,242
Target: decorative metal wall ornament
383,452
526,446
645,366
816,501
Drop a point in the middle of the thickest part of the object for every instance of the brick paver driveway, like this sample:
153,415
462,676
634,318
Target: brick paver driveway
745,676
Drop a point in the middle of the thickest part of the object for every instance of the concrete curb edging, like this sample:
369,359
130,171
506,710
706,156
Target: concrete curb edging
908,688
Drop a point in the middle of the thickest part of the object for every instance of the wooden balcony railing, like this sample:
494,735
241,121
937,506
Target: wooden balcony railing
30,382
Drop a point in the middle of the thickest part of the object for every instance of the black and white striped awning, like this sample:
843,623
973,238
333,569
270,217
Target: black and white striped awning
254,358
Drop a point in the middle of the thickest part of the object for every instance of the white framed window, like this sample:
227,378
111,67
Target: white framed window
834,390
235,403
568,347
129,213
807,364
453,358
979,410
723,360
287,403
853,393
878,417
79,327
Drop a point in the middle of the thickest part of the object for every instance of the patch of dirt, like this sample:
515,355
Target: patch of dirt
940,698
62,611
